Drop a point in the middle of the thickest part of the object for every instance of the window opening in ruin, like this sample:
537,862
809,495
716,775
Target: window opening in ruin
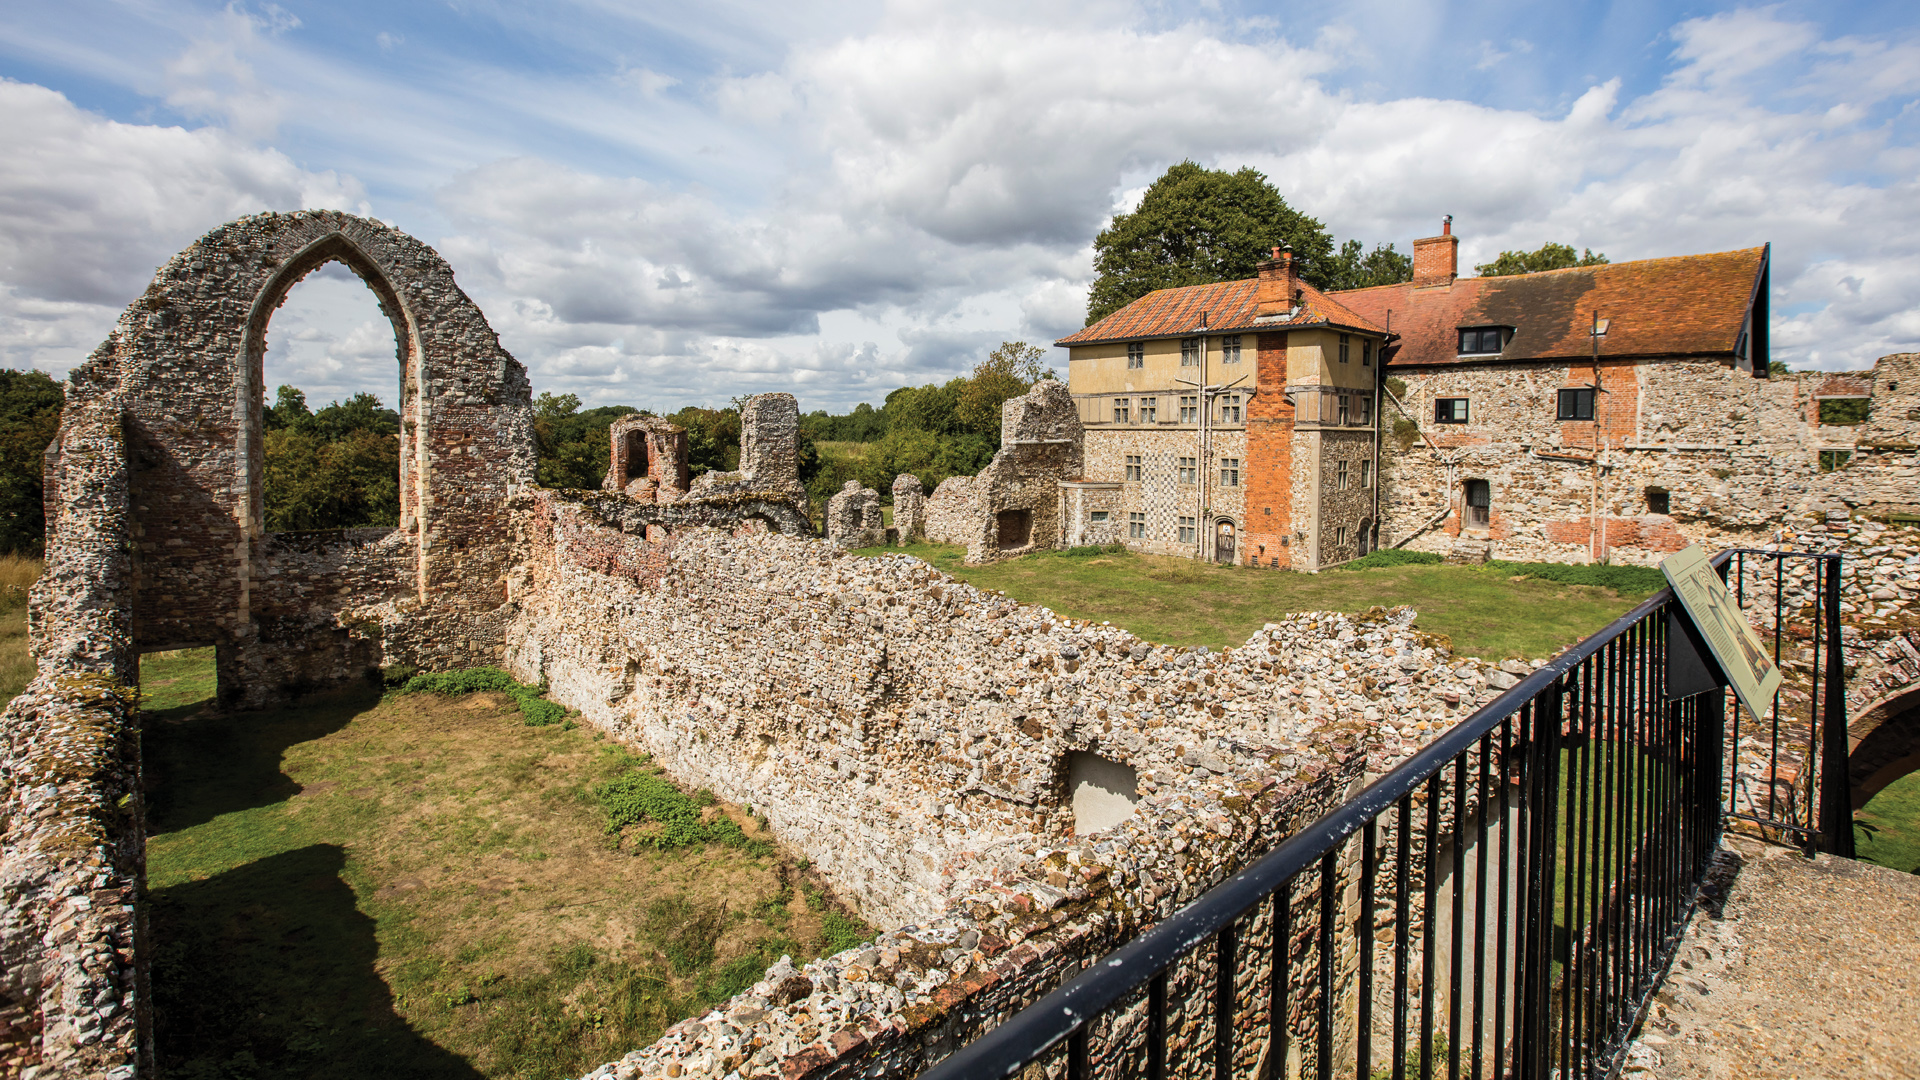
1136,526
1014,528
1843,412
1230,349
1121,410
1136,354
1189,470
1450,410
1190,410
1189,531
1148,406
1833,459
1479,504
331,383
1190,352
1230,472
1480,341
1659,502
1575,404
1101,792
637,465
1134,468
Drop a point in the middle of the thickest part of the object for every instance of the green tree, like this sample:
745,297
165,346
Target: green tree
571,447
1195,226
1353,269
1551,256
1007,372
316,482
713,438
30,403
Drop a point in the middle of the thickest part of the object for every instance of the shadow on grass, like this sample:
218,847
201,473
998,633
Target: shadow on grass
201,764
267,970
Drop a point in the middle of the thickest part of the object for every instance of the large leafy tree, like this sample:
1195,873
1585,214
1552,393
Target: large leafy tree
1551,256
1195,226
332,469
30,404
1354,269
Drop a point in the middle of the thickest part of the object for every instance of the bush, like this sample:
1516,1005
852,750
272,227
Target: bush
1621,579
1391,557
535,709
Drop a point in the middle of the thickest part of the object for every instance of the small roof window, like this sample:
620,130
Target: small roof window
1482,340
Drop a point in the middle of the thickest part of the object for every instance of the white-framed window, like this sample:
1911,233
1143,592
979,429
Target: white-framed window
1136,354
1188,530
1340,477
1343,348
1230,410
1189,409
1189,471
1190,351
1136,526
1134,469
1097,517
1230,472
1122,410
1230,349
1148,408
1366,474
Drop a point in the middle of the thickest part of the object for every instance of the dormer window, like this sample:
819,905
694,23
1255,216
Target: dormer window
1481,340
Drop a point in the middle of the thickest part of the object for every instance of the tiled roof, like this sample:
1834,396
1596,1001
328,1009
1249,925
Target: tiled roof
1229,307
1691,304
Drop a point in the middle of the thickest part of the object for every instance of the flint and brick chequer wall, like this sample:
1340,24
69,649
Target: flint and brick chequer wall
909,734
1158,493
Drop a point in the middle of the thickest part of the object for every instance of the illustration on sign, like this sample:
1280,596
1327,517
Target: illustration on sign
1742,658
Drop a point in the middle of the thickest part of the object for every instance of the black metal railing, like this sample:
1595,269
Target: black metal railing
1774,760
1502,904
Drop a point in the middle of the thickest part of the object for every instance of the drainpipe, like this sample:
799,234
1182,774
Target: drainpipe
1205,460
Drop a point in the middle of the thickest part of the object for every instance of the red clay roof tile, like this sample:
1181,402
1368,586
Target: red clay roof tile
1229,307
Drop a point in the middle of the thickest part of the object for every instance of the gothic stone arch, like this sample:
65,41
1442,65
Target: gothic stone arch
160,451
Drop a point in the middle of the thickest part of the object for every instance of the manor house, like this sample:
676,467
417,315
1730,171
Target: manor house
1601,413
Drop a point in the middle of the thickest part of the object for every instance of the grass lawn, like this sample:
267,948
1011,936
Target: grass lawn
17,575
1887,830
1183,602
423,886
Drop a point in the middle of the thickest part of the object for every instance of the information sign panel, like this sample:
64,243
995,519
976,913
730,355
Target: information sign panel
1743,660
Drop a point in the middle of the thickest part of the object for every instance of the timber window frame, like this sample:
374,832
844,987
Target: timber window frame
1189,530
1231,411
1148,407
1136,355
1482,340
1574,403
1190,351
1122,410
1188,470
1190,408
1230,472
1230,349
1136,525
1135,468
1450,410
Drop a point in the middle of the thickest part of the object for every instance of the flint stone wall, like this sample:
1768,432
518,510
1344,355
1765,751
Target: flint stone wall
951,510
909,509
853,517
909,735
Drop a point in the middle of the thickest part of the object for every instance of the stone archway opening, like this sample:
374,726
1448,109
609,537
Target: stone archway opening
1885,745
330,455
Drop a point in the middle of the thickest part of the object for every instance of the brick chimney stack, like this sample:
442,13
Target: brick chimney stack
1436,259
1279,284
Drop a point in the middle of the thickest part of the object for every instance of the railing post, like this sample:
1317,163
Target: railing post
1535,1026
1836,789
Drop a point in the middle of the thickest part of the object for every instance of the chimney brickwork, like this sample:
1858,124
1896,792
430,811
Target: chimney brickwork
1436,259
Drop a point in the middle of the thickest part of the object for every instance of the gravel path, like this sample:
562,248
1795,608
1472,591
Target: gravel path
1809,968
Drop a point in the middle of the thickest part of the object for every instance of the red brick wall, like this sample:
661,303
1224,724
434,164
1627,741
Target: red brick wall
1269,458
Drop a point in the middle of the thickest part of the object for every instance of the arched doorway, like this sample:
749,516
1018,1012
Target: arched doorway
1223,541
1883,770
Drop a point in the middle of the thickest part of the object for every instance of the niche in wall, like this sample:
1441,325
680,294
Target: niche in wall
1101,792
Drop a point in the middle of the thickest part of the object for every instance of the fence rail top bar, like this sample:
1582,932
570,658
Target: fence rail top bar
1013,1045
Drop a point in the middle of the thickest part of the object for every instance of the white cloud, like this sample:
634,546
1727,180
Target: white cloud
89,208
884,206
213,77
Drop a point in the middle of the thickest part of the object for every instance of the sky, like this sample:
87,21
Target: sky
670,204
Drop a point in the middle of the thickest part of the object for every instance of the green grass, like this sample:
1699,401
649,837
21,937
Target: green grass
424,885
17,575
1886,831
1488,613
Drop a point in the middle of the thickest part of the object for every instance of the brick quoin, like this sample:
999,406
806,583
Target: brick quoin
1269,473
